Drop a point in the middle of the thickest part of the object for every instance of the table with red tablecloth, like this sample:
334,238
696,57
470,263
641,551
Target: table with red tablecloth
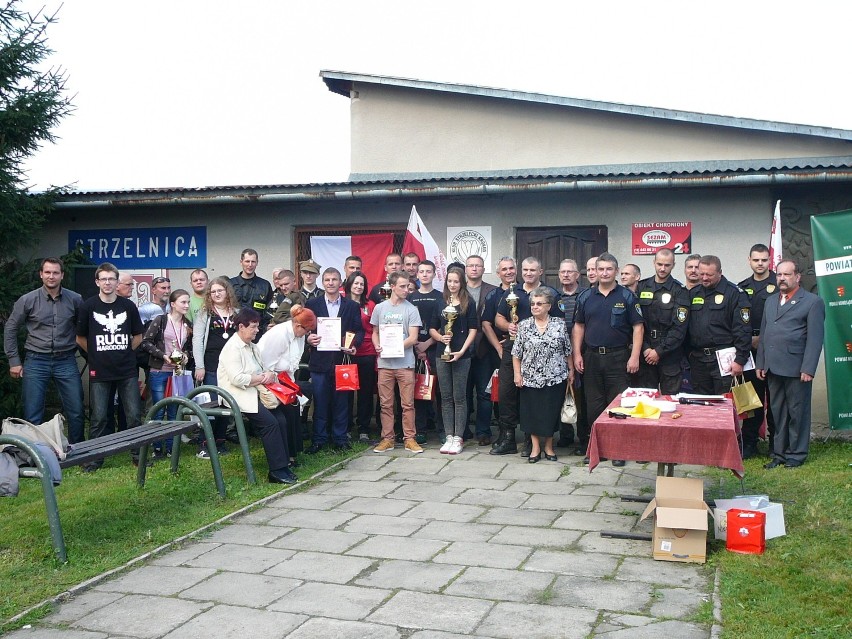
703,435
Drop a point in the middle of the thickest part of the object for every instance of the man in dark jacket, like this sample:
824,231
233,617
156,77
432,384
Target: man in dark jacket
252,290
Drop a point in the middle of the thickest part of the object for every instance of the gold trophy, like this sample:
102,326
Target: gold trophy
450,314
512,300
176,358
385,290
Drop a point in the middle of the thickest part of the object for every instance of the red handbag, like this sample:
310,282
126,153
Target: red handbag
346,376
284,394
424,382
746,531
495,387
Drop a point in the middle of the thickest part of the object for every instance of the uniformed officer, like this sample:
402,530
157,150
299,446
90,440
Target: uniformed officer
758,287
719,317
252,291
309,270
665,308
607,338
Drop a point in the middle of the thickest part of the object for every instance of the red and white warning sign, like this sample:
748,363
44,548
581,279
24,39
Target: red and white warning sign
650,237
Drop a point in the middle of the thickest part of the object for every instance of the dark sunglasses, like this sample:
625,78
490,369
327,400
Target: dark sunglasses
160,280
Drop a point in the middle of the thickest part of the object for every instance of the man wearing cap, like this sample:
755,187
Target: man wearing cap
253,291
309,270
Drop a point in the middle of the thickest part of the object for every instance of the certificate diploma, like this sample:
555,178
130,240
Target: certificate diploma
328,329
391,339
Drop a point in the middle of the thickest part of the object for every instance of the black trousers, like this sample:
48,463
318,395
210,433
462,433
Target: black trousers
604,378
508,392
272,426
751,425
666,375
706,379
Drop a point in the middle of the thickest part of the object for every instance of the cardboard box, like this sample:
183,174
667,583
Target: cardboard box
680,520
774,514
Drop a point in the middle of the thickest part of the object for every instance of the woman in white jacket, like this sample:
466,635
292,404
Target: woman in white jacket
241,372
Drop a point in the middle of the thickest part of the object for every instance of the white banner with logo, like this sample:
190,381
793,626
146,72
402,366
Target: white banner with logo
464,241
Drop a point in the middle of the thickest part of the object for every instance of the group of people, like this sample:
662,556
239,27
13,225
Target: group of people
592,342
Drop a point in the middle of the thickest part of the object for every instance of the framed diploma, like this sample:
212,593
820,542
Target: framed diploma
328,328
391,338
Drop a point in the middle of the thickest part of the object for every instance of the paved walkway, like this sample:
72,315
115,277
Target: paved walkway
421,547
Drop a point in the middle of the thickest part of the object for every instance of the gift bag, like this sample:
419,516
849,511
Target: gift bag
346,375
284,394
424,381
494,385
179,385
746,531
745,397
569,408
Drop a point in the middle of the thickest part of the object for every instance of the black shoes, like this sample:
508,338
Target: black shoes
345,447
282,476
506,447
313,449
579,452
534,458
618,463
792,464
550,457
775,463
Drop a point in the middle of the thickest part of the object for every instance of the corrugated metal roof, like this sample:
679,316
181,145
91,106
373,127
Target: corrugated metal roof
341,82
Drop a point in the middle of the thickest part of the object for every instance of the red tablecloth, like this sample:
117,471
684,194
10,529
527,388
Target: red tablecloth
704,435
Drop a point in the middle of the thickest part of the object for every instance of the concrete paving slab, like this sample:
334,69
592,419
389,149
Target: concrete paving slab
249,534
320,628
142,616
439,511
601,594
156,580
501,498
332,600
473,553
544,487
441,493
239,558
385,525
593,542
595,521
572,563
437,634
367,462
241,589
235,622
677,603
477,482
54,633
561,502
358,475
319,540
532,472
388,547
416,478
603,475
363,488
184,554
82,605
420,465
456,531
313,519
316,566
519,517
438,612
511,620
410,575
259,516
313,501
501,585
484,470
376,506
536,537
664,572
678,629
616,506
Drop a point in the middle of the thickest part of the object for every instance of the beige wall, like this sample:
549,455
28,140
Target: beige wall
399,130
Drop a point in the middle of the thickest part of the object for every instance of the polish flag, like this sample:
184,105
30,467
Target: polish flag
775,238
419,240
332,250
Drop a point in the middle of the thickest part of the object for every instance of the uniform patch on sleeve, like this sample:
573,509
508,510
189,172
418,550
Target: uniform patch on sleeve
638,309
681,314
745,313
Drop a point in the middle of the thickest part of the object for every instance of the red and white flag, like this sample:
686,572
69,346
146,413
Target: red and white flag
775,238
419,240
372,249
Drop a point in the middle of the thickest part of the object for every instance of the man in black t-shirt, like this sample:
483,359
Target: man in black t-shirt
428,301
109,329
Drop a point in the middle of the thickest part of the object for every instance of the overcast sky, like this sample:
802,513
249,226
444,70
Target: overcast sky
211,93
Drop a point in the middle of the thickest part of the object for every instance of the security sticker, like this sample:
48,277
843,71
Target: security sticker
745,313
681,314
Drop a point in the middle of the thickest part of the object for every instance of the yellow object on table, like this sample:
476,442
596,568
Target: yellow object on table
641,411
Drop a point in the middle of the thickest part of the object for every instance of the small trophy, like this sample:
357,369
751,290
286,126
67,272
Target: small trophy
385,290
450,314
176,358
512,300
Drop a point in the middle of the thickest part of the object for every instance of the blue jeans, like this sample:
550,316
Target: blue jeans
157,381
330,405
100,402
39,369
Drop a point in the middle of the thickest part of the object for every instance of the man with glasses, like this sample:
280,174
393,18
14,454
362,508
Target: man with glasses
484,359
566,301
49,314
109,329
253,291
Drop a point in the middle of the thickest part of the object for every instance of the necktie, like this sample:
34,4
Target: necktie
783,299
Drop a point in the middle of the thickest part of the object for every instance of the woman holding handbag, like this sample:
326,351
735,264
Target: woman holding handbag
356,289
541,358
167,336
453,365
214,326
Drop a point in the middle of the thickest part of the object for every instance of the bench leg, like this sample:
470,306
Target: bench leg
175,454
142,469
244,446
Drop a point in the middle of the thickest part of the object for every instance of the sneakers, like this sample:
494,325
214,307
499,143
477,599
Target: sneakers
456,446
447,445
412,446
203,454
385,445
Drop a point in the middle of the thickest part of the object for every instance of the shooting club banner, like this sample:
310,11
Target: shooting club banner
649,237
833,267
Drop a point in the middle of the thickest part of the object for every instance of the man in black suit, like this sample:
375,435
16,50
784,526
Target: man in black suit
791,336
331,405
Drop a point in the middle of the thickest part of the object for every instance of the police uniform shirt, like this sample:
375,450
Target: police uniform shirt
758,292
720,317
489,311
608,319
665,307
567,304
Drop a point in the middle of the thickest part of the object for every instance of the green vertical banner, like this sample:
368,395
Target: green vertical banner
832,237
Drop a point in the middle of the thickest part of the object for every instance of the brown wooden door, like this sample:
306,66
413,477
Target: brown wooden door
553,244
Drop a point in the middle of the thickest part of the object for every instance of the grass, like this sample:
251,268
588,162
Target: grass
108,521
802,585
